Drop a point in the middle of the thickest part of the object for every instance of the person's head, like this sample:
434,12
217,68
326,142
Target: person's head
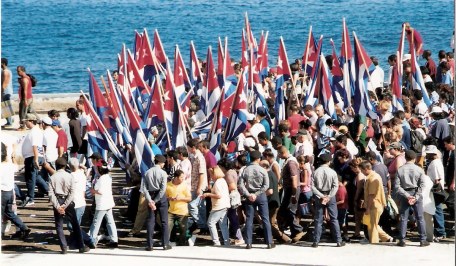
410,156
21,71
182,152
46,122
374,60
268,155
80,105
4,154
294,108
442,54
301,161
342,156
365,167
30,120
263,138
392,59
60,163
354,165
395,148
284,129
432,152
427,54
283,153
96,158
226,164
192,145
308,110
242,160
341,142
276,142
325,158
204,146
54,114
115,75
74,164
417,95
154,131
160,160
319,110
72,113
102,167
4,63
261,112
217,173
449,143
371,157
255,156
179,177
172,156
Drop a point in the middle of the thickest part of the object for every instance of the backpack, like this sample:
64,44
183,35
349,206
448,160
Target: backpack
417,141
33,80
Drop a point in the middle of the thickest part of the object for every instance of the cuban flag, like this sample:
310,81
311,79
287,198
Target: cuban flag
97,134
144,60
311,54
229,85
417,77
337,84
237,122
346,61
121,68
140,90
250,38
216,129
137,45
99,101
363,69
172,114
323,89
196,77
283,75
143,152
309,99
154,112
117,111
396,88
245,54
211,91
181,81
159,51
220,63
263,57
400,53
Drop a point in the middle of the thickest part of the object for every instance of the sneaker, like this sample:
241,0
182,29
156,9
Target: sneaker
297,237
6,226
340,244
191,241
64,250
24,202
84,249
29,203
238,242
315,245
391,240
112,245
401,243
438,238
173,244
364,241
26,233
167,247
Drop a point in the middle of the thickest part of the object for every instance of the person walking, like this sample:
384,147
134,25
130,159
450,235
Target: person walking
7,87
25,95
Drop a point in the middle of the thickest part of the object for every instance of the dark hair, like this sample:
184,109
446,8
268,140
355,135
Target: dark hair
4,61
268,153
21,68
72,113
182,150
192,143
447,140
283,127
242,159
4,151
365,165
177,173
392,58
263,135
418,95
103,169
427,54
442,54
226,163
205,144
53,112
342,139
172,154
374,60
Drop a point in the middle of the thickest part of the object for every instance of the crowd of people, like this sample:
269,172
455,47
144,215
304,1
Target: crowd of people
372,172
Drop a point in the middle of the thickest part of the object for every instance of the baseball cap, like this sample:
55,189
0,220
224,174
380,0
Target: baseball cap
431,149
29,117
395,145
46,120
261,111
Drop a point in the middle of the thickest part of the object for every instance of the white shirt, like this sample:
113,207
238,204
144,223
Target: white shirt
435,171
8,170
421,108
50,141
428,196
9,141
83,120
186,167
80,182
220,187
256,129
33,138
104,200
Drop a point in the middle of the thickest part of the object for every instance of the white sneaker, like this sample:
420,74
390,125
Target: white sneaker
30,203
173,244
191,241
6,226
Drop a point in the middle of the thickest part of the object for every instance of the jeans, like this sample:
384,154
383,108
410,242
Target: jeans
79,214
70,214
24,110
7,97
404,213
220,217
33,178
162,208
197,211
287,215
45,174
234,223
261,202
439,221
318,219
98,217
7,210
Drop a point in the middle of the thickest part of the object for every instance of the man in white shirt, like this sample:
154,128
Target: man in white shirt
31,148
49,144
421,108
377,77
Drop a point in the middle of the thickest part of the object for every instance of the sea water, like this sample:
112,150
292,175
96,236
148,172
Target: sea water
58,40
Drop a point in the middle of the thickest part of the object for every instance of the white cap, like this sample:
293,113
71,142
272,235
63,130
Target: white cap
46,120
250,116
406,57
249,142
431,149
436,109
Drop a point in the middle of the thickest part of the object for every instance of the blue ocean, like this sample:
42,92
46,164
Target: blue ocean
58,40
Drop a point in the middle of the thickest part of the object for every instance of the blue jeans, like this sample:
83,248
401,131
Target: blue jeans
33,178
261,202
97,219
439,221
287,214
162,208
79,213
197,211
222,219
45,174
71,215
7,210
404,214
318,219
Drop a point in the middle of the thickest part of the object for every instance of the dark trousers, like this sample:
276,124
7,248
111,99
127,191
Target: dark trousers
234,221
24,110
318,219
261,202
7,210
70,214
162,208
33,178
286,215
385,221
404,214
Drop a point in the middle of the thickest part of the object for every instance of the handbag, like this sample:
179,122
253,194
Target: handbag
440,195
7,109
392,209
235,199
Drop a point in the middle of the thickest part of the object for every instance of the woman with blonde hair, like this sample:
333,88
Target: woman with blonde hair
220,199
